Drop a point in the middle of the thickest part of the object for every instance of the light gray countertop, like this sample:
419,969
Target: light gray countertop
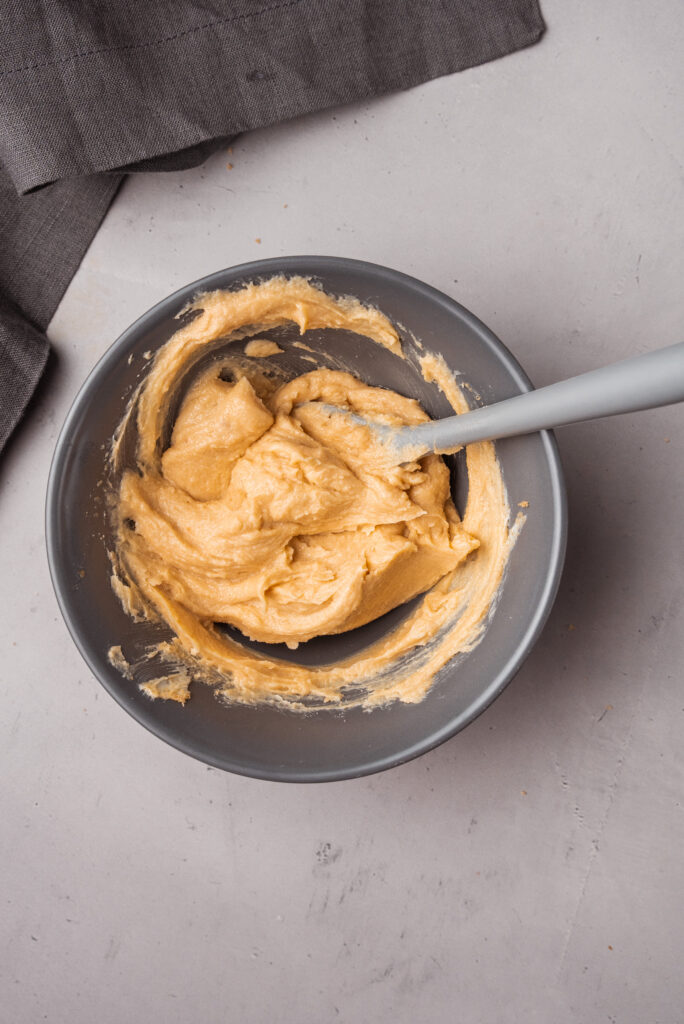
529,870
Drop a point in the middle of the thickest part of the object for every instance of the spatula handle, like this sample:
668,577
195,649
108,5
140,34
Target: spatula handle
643,382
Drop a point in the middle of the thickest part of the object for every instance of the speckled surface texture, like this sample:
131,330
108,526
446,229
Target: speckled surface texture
528,870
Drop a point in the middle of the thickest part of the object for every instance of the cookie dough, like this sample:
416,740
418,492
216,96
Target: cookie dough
266,514
259,348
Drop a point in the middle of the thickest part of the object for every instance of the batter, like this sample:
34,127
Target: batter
268,515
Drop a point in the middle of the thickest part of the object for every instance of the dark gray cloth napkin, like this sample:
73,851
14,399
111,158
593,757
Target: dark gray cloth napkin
92,90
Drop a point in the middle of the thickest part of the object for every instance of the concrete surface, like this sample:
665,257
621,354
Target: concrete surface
531,869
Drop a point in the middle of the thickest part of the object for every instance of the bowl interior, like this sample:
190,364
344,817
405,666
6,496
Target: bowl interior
275,743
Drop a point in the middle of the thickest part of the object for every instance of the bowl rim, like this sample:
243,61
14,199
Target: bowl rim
312,266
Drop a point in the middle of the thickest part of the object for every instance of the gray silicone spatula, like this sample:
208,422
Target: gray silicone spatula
643,382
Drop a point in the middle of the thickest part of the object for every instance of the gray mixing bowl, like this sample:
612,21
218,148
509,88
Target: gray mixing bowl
273,743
